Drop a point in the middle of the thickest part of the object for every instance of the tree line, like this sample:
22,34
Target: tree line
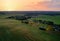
50,25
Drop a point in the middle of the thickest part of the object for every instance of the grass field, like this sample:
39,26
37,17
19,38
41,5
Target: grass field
14,30
55,19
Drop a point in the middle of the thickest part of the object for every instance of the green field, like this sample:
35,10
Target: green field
14,30
55,19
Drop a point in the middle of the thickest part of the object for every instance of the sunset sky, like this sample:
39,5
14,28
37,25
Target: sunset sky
29,5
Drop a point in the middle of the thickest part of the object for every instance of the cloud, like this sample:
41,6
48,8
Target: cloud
30,4
55,4
40,5
46,5
51,4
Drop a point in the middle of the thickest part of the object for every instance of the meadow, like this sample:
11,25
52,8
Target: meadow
14,30
55,19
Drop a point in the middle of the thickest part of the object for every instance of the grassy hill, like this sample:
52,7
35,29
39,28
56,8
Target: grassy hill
14,30
55,19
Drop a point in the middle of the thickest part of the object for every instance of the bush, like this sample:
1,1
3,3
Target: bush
42,28
11,17
25,21
20,17
2,13
49,28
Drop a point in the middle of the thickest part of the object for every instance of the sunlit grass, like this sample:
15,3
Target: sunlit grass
14,30
55,19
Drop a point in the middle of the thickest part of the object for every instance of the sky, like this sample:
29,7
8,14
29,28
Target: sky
29,5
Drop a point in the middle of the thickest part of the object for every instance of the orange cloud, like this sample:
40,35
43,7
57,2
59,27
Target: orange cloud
27,5
45,5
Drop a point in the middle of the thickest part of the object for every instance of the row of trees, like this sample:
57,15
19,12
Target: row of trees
2,13
50,26
19,17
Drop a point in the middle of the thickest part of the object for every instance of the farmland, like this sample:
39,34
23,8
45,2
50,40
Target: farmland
55,19
14,30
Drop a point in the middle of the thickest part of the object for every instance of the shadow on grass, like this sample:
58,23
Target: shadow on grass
7,35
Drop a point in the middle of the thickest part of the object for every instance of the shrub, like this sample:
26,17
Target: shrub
25,21
49,28
11,17
20,17
2,13
42,28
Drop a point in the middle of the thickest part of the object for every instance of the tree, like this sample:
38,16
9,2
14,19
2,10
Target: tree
2,13
11,17
49,28
40,21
